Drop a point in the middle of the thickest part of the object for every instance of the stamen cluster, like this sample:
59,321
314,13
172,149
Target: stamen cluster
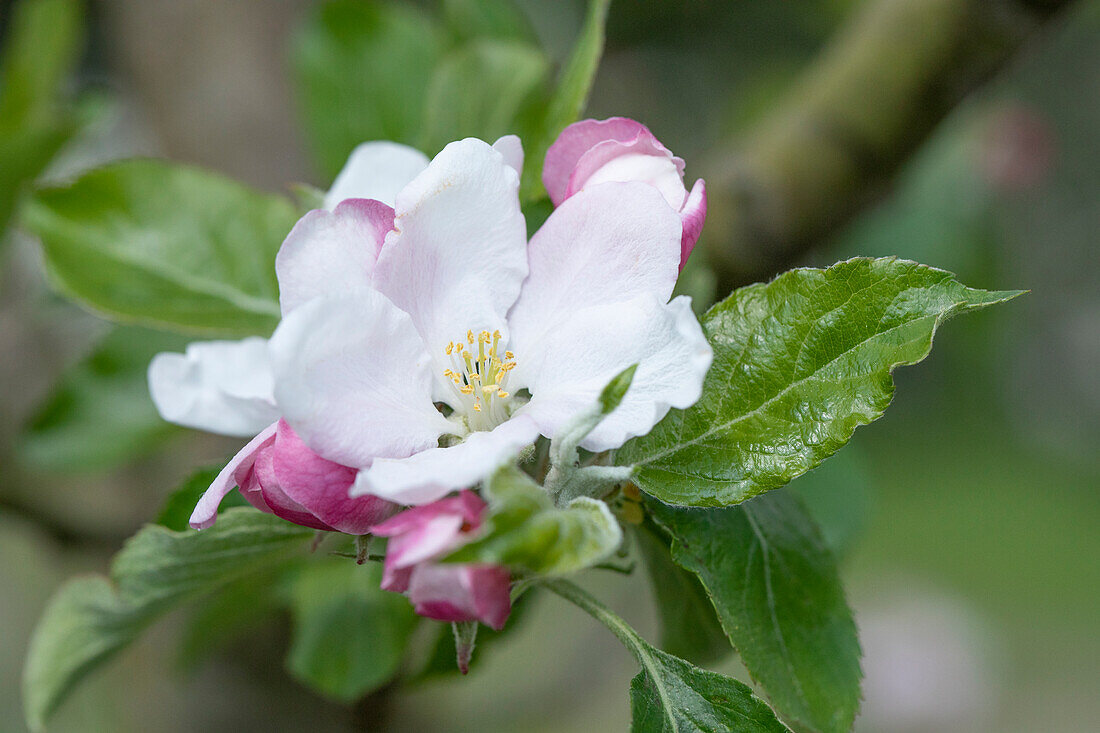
478,379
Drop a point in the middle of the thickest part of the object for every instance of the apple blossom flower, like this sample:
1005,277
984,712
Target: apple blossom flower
445,592
591,152
424,341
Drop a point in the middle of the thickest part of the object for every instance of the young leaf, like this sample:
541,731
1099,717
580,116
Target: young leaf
778,595
100,414
671,695
362,68
90,618
41,51
166,245
349,634
570,96
689,626
469,19
481,89
525,531
799,363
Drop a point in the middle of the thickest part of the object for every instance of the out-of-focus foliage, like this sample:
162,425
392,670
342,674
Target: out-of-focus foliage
349,634
378,70
100,414
160,244
91,618
39,57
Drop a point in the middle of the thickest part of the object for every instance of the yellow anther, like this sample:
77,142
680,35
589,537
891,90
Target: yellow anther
477,407
509,355
484,337
459,347
450,348
467,389
470,336
501,393
488,388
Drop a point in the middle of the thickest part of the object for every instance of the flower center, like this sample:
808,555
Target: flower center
478,376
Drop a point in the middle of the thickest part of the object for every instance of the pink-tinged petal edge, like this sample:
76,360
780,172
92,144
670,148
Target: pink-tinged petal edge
261,478
579,138
693,215
206,511
331,252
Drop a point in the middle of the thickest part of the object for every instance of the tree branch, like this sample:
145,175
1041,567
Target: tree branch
876,92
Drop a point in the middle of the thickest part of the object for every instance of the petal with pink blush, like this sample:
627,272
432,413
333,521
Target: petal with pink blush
457,255
693,215
262,475
206,511
320,486
643,160
352,379
376,170
580,137
331,253
462,593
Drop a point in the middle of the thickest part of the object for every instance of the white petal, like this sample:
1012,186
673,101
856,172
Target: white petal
376,170
331,253
219,386
593,345
434,473
512,149
352,379
457,255
609,244
658,171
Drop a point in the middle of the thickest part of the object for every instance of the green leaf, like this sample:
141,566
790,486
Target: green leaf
570,97
799,363
41,51
100,414
689,626
470,19
349,634
483,90
525,531
91,618
671,695
166,245
362,69
775,585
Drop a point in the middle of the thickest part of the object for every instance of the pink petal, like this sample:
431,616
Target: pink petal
462,593
263,475
643,159
574,141
320,486
331,252
467,505
206,511
693,214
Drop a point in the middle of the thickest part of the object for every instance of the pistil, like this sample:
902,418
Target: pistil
479,379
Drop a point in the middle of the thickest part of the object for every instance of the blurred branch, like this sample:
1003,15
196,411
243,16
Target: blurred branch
875,93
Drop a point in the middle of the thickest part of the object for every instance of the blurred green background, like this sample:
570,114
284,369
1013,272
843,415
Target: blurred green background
967,519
